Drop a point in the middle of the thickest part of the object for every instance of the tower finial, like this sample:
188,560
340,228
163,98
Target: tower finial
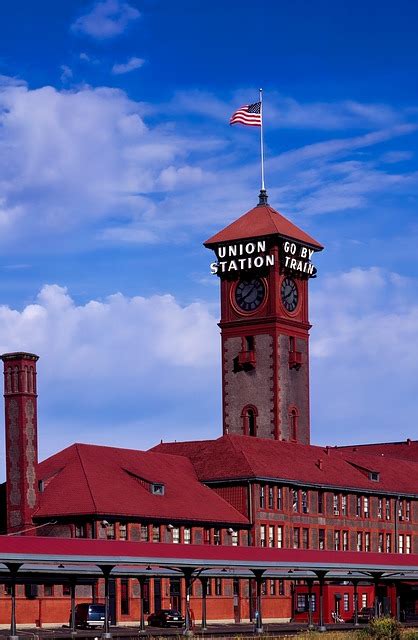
262,197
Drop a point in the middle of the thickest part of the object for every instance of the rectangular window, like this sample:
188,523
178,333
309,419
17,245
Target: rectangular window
408,544
123,531
301,602
262,496
388,543
144,533
262,535
271,536
295,500
281,588
305,538
380,508
279,537
388,508
206,535
345,540
358,507
187,535
110,531
156,533
271,497
337,540
343,505
366,507
264,588
400,544
407,510
320,502
305,506
296,537
272,587
218,586
380,543
359,541
367,541
66,590
364,599
313,602
176,535
235,538
321,539
346,602
80,531
124,597
279,498
336,504
48,590
217,536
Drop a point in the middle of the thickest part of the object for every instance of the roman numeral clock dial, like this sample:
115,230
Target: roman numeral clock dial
289,294
250,294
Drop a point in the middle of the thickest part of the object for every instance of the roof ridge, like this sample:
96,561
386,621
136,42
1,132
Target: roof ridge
86,476
240,450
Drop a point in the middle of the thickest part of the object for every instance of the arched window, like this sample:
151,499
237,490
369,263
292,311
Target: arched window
293,423
249,420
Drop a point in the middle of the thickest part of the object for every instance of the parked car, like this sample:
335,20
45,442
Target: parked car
89,616
166,618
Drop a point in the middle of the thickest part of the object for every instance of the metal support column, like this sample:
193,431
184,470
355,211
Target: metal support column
355,585
188,631
321,578
106,570
141,581
376,580
72,614
258,574
204,582
13,567
310,621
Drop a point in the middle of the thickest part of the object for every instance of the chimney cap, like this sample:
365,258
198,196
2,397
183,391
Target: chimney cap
19,355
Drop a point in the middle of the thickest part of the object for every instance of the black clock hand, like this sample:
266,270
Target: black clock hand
249,293
290,292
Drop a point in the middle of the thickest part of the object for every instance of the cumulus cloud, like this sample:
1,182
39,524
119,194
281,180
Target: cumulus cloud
126,357
106,19
126,67
364,355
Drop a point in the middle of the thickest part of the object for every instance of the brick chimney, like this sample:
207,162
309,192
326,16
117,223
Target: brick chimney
20,403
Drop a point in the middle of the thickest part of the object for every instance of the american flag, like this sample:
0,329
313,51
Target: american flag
249,114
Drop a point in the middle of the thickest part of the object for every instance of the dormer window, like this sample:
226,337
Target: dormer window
157,489
374,475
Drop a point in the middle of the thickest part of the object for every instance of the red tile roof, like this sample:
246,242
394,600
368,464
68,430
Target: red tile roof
233,457
90,479
262,221
407,450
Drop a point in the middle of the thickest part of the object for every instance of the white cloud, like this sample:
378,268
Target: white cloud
66,74
106,19
137,359
364,354
126,67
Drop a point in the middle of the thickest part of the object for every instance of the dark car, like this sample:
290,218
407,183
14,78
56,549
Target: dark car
166,618
89,615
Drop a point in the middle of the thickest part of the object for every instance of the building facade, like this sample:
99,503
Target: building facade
261,483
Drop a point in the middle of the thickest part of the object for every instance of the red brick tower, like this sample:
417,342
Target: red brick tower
264,264
21,438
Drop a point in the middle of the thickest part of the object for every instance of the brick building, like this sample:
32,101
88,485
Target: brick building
260,483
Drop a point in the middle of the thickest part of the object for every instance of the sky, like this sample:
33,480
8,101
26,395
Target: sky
117,162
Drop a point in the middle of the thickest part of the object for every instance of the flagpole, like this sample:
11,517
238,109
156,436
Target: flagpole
263,193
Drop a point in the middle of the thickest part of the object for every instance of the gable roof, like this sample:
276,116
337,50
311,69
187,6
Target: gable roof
406,450
89,479
262,221
238,457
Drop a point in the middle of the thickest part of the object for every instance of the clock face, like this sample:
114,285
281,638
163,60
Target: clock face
290,294
249,294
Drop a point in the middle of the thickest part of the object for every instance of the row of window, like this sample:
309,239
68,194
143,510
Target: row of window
302,602
272,536
303,501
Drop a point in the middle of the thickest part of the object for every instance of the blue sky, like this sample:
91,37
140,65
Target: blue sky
117,162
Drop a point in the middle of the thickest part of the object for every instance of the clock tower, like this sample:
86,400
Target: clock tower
264,263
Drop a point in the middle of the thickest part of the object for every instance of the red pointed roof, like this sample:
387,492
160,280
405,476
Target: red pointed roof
259,222
91,479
